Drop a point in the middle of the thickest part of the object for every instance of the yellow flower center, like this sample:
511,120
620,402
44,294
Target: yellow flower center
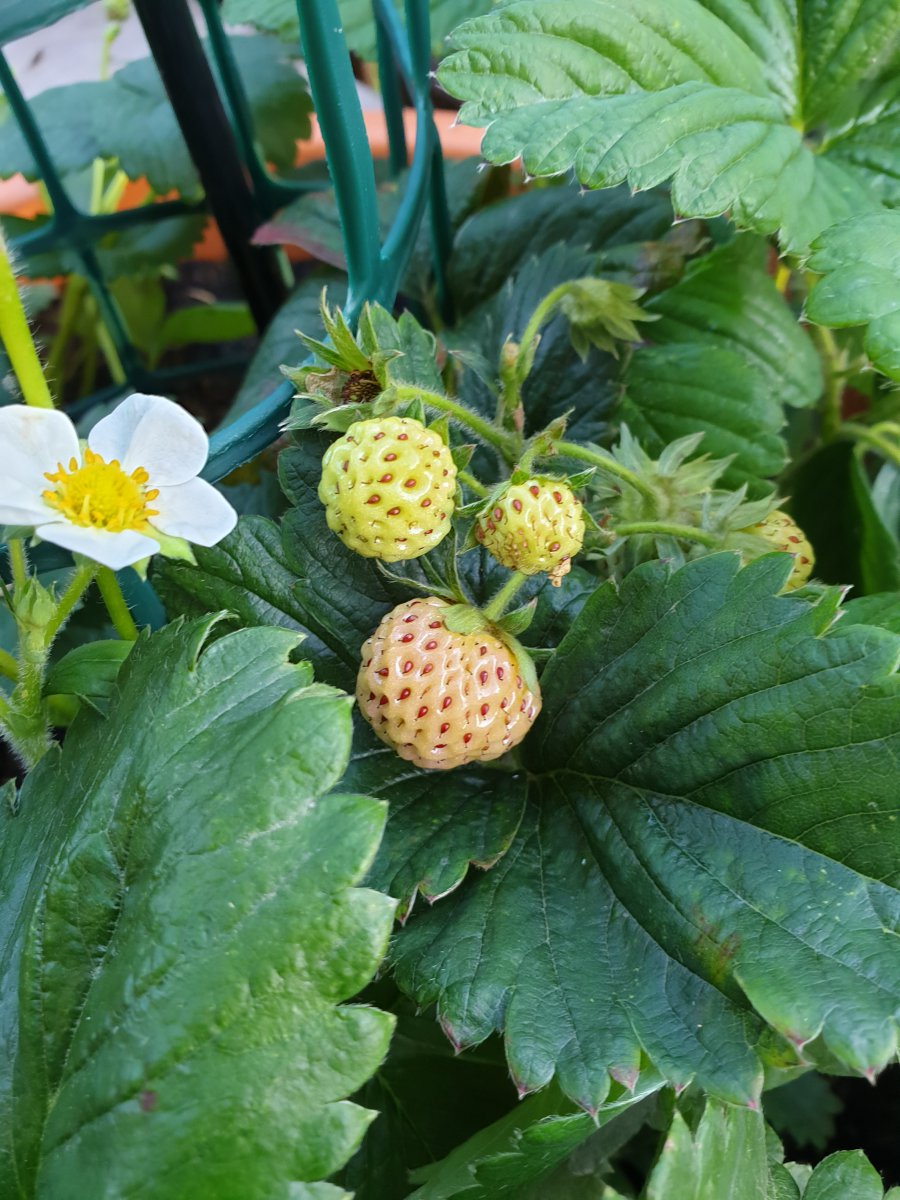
99,494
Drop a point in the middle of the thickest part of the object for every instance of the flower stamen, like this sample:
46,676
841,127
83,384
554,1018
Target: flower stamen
100,495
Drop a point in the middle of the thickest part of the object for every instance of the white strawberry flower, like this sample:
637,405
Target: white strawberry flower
132,487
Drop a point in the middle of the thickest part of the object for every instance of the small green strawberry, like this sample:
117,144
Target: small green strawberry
533,526
783,533
442,698
388,486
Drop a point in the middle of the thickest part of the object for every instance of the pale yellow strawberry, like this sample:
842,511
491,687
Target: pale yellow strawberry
783,533
534,526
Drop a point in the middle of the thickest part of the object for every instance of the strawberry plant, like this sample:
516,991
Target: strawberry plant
513,816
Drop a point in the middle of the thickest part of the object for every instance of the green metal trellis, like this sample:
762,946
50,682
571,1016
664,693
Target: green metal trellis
241,193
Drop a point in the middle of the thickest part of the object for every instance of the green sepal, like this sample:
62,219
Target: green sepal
519,619
580,479
340,419
425,588
523,658
451,564
519,476
415,411
341,335
441,426
303,412
470,541
472,509
465,619
169,547
462,455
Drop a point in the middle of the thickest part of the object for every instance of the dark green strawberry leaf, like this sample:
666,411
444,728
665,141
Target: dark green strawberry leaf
129,118
684,388
700,738
428,1099
440,822
859,260
521,1150
728,299
248,575
882,608
725,1156
280,345
831,499
842,1175
17,20
559,381
180,928
805,1108
495,241
642,91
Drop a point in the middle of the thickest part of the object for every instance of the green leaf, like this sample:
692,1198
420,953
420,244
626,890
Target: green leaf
248,575
832,502
221,321
429,1100
716,96
440,822
699,738
527,1145
280,17
725,1157
194,1004
685,388
495,241
559,381
17,20
805,1108
882,609
727,299
129,118
88,671
860,261
842,1175
280,344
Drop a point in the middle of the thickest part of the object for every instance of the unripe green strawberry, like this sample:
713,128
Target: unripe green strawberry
783,533
534,526
439,698
388,487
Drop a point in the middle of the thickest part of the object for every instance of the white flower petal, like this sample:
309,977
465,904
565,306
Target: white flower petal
32,441
26,514
153,433
194,511
115,550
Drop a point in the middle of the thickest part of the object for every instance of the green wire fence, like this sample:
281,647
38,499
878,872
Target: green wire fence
241,193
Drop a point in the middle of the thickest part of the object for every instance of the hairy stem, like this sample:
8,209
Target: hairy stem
871,437
77,586
484,429
16,337
608,464
116,605
472,483
498,603
688,533
18,563
537,320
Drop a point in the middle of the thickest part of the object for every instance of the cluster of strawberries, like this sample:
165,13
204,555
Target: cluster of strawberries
441,694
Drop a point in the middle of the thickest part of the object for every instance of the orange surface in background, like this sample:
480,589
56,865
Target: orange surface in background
20,198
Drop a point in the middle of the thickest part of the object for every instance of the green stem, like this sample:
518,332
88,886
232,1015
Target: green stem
77,586
16,337
498,603
68,312
485,430
870,437
538,318
110,354
18,563
688,533
608,464
8,665
472,483
115,605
